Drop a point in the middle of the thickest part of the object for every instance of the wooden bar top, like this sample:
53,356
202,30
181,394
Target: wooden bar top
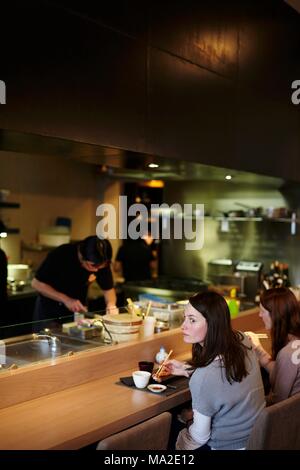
76,401
81,415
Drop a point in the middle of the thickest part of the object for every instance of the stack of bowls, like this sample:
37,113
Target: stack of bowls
123,327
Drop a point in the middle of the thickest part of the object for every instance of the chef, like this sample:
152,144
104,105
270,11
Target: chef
63,278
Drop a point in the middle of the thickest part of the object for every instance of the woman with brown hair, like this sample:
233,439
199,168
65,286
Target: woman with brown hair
280,312
226,385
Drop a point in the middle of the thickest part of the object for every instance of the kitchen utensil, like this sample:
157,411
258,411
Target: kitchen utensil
233,213
251,211
162,364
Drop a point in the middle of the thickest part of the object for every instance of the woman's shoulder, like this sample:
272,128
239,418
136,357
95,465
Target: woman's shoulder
292,345
206,372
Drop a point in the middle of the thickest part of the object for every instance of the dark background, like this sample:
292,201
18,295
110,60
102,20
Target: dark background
206,81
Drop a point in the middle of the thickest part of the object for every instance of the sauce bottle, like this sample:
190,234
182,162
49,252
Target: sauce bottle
161,355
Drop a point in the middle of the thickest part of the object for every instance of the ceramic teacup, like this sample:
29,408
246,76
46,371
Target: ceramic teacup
141,378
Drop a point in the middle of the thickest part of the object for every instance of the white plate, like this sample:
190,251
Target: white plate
157,388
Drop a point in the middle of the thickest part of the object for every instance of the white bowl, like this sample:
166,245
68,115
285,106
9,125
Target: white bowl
157,388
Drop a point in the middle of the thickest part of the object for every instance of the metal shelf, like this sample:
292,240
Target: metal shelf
255,219
9,205
36,247
239,219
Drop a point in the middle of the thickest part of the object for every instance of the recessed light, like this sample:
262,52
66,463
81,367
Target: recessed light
228,177
153,165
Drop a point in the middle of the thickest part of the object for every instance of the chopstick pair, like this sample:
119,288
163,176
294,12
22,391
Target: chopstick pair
262,335
162,364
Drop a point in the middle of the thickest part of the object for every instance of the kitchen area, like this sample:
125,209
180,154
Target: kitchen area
238,251
171,103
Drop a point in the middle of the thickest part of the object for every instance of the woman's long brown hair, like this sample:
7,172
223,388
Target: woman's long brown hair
284,311
221,339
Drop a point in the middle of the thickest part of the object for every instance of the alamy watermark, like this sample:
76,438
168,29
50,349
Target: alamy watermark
295,97
296,354
161,220
2,352
2,92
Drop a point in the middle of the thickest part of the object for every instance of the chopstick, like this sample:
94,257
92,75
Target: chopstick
148,308
162,364
262,335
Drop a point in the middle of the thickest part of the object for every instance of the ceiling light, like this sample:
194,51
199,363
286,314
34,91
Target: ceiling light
153,184
228,177
153,165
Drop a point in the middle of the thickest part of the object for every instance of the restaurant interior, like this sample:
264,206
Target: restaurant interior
167,103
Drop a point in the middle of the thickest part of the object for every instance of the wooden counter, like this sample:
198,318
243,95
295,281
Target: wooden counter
75,401
81,415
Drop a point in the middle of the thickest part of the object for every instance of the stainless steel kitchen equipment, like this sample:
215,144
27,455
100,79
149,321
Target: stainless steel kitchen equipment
169,288
219,267
250,272
246,275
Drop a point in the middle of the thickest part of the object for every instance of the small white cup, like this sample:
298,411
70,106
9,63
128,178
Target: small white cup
141,378
148,326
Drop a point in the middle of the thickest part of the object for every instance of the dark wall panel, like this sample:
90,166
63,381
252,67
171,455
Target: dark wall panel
267,132
128,17
72,78
190,111
197,80
203,32
269,43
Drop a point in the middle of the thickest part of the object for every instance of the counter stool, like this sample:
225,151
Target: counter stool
277,427
152,434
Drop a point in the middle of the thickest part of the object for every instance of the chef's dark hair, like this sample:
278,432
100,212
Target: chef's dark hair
95,250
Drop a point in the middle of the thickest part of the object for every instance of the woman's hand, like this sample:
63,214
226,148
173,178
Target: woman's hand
262,355
174,367
254,339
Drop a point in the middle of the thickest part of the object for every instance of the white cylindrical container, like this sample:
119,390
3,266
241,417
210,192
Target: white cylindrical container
148,326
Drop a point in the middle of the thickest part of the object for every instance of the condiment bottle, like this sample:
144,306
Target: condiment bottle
161,355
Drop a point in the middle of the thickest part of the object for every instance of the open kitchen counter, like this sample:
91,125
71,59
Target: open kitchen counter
75,401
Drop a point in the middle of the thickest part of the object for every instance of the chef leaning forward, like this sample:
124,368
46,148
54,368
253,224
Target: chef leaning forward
63,278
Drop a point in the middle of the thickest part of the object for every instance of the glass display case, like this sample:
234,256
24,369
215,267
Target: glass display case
24,344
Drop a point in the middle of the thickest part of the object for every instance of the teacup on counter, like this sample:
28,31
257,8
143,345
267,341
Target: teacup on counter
141,378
